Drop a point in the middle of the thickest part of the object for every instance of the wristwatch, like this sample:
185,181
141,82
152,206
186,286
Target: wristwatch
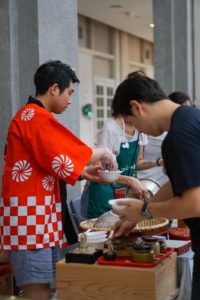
145,212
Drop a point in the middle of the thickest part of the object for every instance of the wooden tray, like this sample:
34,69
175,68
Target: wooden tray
180,233
126,262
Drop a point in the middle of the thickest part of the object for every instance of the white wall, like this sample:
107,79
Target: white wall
86,96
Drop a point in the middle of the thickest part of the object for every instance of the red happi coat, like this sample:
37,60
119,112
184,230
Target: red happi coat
40,150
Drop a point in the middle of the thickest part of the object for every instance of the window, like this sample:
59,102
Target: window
103,99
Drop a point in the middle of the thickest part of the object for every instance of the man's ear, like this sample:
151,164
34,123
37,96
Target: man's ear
54,89
136,107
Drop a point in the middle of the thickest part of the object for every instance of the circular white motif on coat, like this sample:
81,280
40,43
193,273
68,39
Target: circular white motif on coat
48,183
21,171
27,114
62,165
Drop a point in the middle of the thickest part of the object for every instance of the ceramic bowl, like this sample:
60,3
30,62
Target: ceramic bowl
96,233
94,237
109,176
97,244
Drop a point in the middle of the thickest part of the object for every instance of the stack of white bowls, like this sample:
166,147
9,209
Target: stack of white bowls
95,239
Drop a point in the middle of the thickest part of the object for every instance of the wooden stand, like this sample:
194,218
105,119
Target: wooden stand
88,282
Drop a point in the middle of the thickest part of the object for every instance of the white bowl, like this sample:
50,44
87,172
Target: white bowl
98,244
96,233
109,176
98,238
113,203
93,238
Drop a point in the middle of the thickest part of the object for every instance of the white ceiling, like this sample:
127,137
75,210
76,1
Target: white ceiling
134,16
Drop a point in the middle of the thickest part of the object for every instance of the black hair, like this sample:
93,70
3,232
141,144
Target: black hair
53,71
137,86
179,97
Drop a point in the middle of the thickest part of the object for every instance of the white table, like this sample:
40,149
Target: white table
184,271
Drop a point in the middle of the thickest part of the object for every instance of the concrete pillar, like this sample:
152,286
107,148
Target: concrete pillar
173,45
32,32
9,75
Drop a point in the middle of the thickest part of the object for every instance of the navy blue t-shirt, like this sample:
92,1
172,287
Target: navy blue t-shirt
181,154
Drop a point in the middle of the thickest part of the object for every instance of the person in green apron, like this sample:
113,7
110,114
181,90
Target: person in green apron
99,194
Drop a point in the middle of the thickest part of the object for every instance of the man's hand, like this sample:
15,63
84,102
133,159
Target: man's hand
108,161
132,212
91,173
138,190
123,228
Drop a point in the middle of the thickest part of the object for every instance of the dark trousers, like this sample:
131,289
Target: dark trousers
196,277
68,226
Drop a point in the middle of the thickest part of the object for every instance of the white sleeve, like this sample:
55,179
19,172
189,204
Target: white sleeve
109,139
143,139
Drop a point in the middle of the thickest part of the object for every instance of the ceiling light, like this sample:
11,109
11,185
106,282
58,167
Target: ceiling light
151,25
130,13
116,6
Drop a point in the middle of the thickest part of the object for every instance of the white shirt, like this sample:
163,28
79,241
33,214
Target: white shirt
112,135
152,151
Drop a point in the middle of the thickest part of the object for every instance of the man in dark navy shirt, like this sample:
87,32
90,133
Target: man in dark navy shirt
152,112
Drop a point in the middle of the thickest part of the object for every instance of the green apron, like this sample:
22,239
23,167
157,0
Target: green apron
99,194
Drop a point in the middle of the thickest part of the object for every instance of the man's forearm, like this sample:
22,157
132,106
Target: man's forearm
176,208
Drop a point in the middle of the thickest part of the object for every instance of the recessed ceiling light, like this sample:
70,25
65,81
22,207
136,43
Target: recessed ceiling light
116,6
130,13
151,25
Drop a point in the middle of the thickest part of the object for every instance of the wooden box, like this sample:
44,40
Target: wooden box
99,282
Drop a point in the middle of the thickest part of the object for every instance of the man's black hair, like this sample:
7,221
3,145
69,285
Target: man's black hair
137,86
53,71
179,97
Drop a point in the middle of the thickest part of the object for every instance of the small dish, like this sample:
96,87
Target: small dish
99,238
109,176
113,203
96,233
93,238
97,244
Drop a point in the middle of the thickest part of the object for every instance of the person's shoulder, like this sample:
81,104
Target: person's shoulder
185,123
30,111
185,116
32,115
143,138
111,125
110,122
186,113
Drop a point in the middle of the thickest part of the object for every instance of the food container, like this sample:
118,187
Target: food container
123,246
93,239
163,246
97,244
109,176
162,242
154,242
143,253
